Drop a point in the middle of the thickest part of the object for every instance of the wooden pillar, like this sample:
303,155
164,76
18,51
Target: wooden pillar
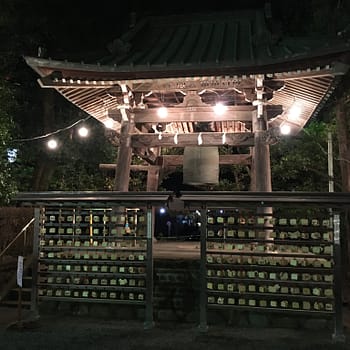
152,186
261,168
122,171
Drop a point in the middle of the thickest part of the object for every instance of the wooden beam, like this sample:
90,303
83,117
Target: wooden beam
337,68
63,83
183,140
146,154
134,167
188,114
196,114
195,83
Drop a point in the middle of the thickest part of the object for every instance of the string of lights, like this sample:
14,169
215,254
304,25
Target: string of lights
52,132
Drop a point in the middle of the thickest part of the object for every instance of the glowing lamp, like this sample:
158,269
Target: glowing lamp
162,112
109,123
83,131
285,129
52,144
219,109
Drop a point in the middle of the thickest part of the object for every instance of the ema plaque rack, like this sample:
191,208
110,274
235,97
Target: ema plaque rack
91,254
270,263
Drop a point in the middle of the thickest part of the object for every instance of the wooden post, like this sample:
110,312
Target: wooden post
203,298
152,186
122,171
338,335
261,167
149,321
35,264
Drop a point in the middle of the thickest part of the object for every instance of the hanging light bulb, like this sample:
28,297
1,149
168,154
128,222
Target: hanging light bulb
219,109
52,144
285,129
162,112
294,112
109,123
160,135
83,131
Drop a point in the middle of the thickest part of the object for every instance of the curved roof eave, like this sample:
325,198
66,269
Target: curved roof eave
45,67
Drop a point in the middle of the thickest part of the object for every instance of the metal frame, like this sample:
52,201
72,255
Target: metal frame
202,201
96,200
225,199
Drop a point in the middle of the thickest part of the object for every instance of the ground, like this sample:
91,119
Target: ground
68,332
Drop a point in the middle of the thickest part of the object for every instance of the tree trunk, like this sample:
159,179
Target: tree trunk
45,167
42,174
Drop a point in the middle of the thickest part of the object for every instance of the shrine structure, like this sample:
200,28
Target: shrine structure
197,82
166,77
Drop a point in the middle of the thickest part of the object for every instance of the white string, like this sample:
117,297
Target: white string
200,140
224,138
175,139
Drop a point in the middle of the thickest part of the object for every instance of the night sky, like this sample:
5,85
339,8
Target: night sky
74,28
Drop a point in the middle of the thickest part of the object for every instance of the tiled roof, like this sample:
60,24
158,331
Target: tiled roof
183,45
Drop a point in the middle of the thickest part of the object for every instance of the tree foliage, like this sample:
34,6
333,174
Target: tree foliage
301,163
7,108
75,164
